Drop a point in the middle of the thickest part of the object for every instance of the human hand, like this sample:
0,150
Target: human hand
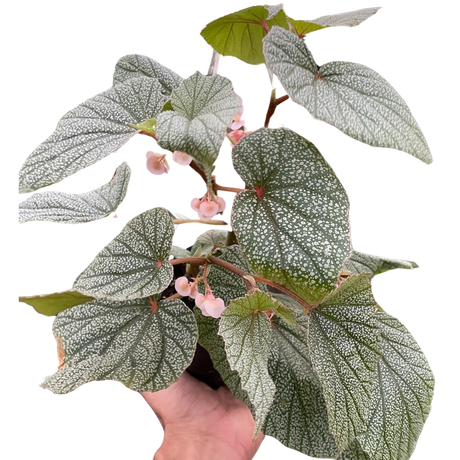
202,423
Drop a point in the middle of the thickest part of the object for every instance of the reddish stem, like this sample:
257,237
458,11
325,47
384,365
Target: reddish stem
145,133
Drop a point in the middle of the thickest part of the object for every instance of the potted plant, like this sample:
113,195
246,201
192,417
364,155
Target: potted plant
280,308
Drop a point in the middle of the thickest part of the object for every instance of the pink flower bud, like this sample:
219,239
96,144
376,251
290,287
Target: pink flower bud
237,124
238,134
193,292
182,286
195,204
214,307
209,208
221,202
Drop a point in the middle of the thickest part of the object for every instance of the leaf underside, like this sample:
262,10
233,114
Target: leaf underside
52,304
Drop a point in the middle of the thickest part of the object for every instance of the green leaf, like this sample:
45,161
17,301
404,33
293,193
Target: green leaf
91,131
148,126
360,263
126,341
352,19
401,397
72,208
203,108
136,263
305,28
136,65
224,283
52,304
344,341
349,96
240,34
298,416
292,221
247,336
354,452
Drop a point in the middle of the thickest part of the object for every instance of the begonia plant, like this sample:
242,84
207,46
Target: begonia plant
282,302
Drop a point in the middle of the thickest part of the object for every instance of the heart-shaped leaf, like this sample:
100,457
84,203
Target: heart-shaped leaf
136,263
298,415
292,221
247,335
361,263
401,397
349,96
52,304
72,208
144,345
344,340
203,108
353,19
240,34
91,131
136,65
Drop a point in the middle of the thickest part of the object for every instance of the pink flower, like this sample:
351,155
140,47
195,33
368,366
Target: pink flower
235,136
214,307
209,208
182,158
237,121
156,163
183,286
221,202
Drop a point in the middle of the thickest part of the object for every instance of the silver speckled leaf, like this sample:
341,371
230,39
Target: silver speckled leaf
292,222
351,97
344,341
203,108
348,19
75,208
298,415
178,252
136,263
360,263
136,65
247,336
91,131
273,10
124,341
354,452
401,397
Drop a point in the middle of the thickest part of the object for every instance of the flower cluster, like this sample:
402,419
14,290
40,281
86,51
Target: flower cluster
207,208
157,164
208,304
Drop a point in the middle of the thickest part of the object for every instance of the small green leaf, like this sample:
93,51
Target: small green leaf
401,397
292,221
136,263
136,65
240,34
91,131
302,28
344,341
360,263
247,344
203,108
72,208
217,238
145,348
52,304
349,96
149,126
179,253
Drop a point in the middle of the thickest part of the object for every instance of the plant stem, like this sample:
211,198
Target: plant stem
199,221
272,106
145,133
227,189
232,268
